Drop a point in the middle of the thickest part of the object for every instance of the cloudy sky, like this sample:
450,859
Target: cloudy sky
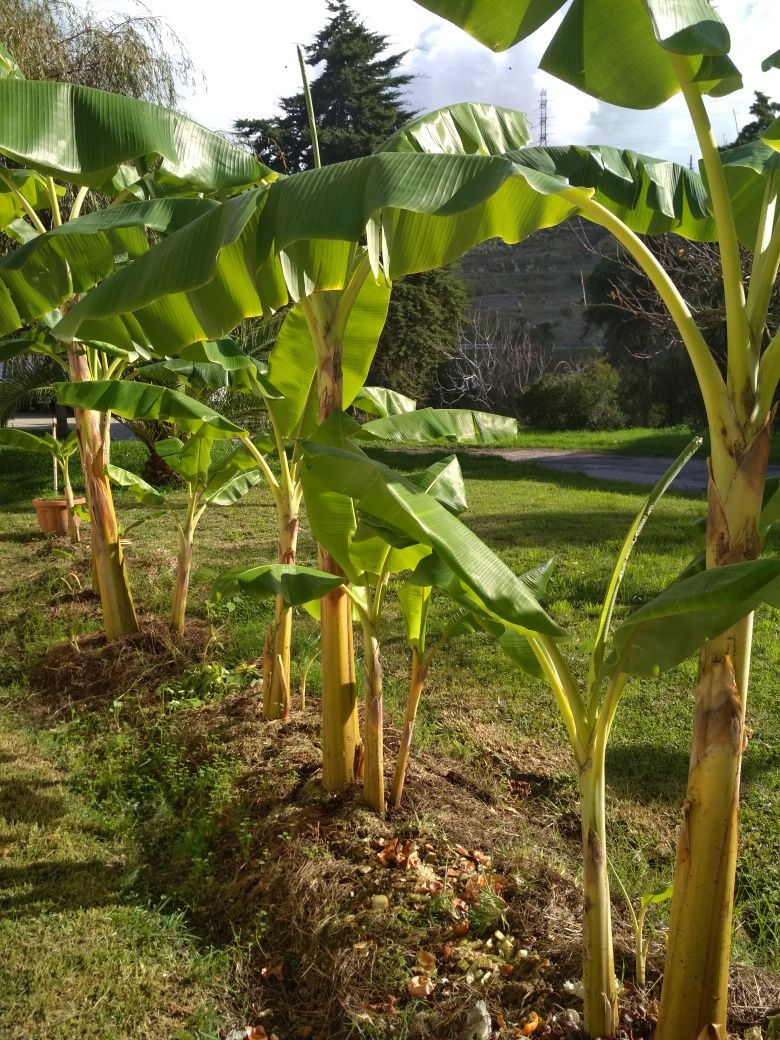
246,55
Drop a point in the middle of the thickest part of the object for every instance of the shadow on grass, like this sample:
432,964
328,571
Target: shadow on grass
648,773
586,527
51,886
22,801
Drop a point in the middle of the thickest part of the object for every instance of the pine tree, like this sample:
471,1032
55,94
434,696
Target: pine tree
357,100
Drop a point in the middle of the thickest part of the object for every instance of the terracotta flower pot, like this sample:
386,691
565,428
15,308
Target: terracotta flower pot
53,514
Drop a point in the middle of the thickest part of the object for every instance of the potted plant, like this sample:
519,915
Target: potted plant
56,515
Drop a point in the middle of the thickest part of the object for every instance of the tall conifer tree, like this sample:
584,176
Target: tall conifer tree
358,99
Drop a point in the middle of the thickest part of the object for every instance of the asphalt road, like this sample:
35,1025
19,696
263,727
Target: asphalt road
629,469
626,469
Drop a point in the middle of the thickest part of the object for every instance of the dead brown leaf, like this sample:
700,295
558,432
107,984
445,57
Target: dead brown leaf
399,854
420,986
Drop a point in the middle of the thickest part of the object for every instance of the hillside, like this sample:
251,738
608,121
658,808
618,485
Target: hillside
540,281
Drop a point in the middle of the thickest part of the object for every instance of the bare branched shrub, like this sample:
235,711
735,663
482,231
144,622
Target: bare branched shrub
495,363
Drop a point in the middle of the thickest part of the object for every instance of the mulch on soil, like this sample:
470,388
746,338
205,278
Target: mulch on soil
446,917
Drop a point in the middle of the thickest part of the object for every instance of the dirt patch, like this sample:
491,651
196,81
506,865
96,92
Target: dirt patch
91,672
368,928
464,903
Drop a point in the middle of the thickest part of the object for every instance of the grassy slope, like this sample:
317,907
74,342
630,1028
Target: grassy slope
475,700
83,956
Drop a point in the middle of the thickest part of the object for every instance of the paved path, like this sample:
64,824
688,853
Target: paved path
39,424
626,469
633,469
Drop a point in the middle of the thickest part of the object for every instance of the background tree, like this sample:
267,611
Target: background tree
358,103
357,99
658,385
424,321
127,53
765,112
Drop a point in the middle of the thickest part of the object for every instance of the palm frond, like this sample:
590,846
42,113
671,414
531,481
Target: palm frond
26,381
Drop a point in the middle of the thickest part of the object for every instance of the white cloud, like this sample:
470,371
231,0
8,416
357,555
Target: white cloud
247,54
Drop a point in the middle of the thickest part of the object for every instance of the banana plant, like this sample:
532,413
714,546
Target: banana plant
60,452
216,365
375,522
209,482
100,146
655,638
682,47
464,175
225,480
224,366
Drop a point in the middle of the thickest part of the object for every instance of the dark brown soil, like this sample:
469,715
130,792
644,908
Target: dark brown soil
91,672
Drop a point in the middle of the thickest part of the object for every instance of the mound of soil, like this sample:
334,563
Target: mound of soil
396,927
91,671
456,918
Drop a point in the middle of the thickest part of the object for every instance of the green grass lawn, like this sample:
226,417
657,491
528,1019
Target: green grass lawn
478,712
666,441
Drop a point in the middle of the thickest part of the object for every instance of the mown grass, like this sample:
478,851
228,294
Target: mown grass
83,955
666,441
474,699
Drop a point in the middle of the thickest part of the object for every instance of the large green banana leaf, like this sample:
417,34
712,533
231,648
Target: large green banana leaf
49,269
144,401
292,363
296,585
458,425
86,136
675,624
234,489
415,601
444,480
377,400
401,505
467,128
371,538
204,290
201,281
615,50
433,571
190,458
13,438
141,491
748,170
